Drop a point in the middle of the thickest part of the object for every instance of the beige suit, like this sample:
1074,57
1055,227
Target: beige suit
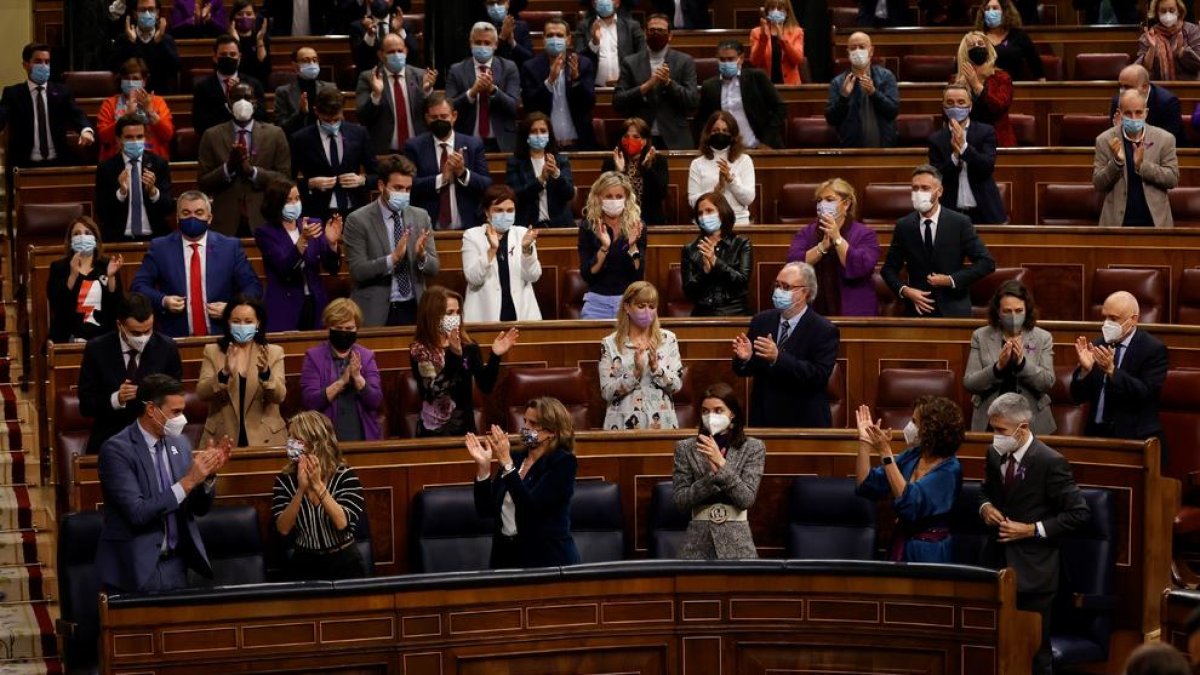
239,196
1159,173
264,424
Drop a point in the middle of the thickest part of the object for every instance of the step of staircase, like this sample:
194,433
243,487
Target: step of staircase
26,547
28,584
27,632
39,667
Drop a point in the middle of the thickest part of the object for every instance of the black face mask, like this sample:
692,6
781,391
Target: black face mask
978,55
227,65
720,141
342,340
440,128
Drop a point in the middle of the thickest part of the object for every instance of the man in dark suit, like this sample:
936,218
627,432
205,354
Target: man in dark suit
133,189
1030,497
485,89
748,95
932,242
790,353
144,36
381,20
1162,107
114,364
320,17
333,161
393,85
452,170
37,114
965,152
689,14
153,488
295,100
561,85
210,98
1121,374
190,274
513,42
659,86
608,36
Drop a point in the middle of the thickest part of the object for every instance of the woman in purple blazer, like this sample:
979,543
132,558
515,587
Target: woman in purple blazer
843,252
294,251
340,379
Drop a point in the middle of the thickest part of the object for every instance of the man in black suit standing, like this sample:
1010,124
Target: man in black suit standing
607,36
514,42
748,95
561,85
1030,497
381,19
1121,375
295,101
790,353
133,188
115,363
211,96
965,153
932,242
333,161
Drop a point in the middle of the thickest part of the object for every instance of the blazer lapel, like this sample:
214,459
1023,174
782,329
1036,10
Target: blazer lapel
142,456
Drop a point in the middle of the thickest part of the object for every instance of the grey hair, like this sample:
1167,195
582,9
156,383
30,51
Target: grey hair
194,195
484,27
1011,407
808,276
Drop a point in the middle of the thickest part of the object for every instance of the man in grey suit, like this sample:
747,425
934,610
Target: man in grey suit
294,101
380,88
659,86
237,160
390,249
486,90
1134,166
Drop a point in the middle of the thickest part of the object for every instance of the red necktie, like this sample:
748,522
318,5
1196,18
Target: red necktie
399,96
444,198
485,125
1010,470
196,294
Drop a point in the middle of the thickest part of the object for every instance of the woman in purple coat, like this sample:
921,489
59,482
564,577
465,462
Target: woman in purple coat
198,18
340,379
842,250
294,251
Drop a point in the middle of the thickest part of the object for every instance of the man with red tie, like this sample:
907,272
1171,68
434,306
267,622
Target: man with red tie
390,86
191,273
486,91
452,170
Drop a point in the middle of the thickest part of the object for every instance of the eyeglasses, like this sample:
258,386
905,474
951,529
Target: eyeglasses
785,287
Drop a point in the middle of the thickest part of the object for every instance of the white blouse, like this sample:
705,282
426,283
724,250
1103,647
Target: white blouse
703,175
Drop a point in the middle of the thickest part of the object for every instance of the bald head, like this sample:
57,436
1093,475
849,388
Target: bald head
1134,77
859,39
1122,308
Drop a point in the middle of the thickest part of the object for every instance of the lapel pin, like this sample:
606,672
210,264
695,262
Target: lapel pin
174,450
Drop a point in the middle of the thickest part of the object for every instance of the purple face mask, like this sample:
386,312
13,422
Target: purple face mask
244,24
642,318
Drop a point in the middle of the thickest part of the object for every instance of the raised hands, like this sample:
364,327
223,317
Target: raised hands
765,348
706,446
500,446
1083,350
480,451
742,349
505,341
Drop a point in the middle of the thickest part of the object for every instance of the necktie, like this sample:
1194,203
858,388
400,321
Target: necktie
1101,412
485,126
132,366
135,199
785,329
401,271
1010,469
335,162
244,139
444,198
401,100
929,238
43,133
165,482
196,294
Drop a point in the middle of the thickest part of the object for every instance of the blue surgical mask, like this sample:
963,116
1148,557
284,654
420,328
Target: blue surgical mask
147,20
709,222
134,149
397,201
957,113
243,332
130,86
503,221
83,243
992,17
555,46
482,53
605,8
310,71
330,128
39,73
292,211
728,69
539,141
782,299
396,61
193,227
497,12
776,16
1132,126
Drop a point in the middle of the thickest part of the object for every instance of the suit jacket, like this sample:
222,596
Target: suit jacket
162,58
103,371
289,272
310,160
736,484
287,104
319,371
483,298
1131,401
380,119
210,103
669,105
368,245
502,103
654,185
581,95
366,56
322,15
423,152
522,50
543,507
1043,491
1159,173
16,115
1162,111
955,239
241,197
227,274
695,12
226,405
631,39
793,59
760,101
844,113
114,213
66,319
136,509
560,192
792,391
980,162
1033,381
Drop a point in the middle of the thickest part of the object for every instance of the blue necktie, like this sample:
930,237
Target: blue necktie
1101,417
135,199
165,482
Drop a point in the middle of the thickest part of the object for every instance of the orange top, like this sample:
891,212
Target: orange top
792,40
158,136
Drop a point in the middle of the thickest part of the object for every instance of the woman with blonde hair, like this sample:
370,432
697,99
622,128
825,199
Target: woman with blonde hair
841,250
777,44
612,240
640,368
1169,47
991,88
530,497
340,378
84,286
317,503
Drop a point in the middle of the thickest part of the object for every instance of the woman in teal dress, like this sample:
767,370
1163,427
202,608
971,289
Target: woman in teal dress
922,482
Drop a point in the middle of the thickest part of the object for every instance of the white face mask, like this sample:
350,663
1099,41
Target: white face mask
1112,331
1005,445
451,322
859,58
1168,19
922,201
912,435
716,423
612,207
173,426
138,342
242,110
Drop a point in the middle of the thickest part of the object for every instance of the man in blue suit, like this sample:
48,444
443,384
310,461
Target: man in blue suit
153,488
333,161
561,85
486,91
452,171
190,274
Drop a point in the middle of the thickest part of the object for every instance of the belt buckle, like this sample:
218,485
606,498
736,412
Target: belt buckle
718,513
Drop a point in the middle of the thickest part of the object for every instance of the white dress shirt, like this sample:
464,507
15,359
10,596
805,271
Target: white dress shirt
187,277
731,102
608,65
543,201
703,175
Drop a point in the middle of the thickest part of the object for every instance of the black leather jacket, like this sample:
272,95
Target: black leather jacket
724,289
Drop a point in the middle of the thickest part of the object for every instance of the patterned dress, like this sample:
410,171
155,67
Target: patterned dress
640,403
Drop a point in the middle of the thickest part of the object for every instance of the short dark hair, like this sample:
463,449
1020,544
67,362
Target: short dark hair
724,210
1015,289
131,7
28,51
156,387
1157,658
435,99
737,427
134,306
395,164
735,45
129,120
239,5
496,192
260,313
329,102
274,198
296,51
557,20
659,15
224,39
927,169
942,429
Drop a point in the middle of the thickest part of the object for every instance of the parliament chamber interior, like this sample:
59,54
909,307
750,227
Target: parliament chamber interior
824,579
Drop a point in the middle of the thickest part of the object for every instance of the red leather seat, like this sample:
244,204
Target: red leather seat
278,78
1078,130
885,203
913,131
1149,286
1179,411
90,83
1053,66
706,67
1070,204
1069,416
888,303
42,225
926,68
677,303
796,203
187,145
811,132
600,131
983,290
839,409
1188,311
1025,127
71,432
1185,206
899,387
1099,66
572,294
843,17
567,384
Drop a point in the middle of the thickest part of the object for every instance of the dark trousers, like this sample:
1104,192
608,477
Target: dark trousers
506,554
402,313
314,566
170,574
1042,603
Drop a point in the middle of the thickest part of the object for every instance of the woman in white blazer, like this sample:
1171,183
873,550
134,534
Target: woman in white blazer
500,263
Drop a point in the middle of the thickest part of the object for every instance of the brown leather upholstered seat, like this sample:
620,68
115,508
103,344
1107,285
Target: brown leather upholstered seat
899,387
1149,286
983,290
567,384
1099,66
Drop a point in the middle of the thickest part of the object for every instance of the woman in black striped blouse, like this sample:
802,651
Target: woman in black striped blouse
317,503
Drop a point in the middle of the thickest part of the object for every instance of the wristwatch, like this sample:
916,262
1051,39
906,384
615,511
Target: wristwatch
888,459
838,242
